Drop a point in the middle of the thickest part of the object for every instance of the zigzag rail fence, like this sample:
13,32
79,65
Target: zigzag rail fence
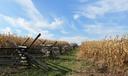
23,56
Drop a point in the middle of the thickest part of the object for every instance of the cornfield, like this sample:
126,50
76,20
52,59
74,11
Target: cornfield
17,40
110,54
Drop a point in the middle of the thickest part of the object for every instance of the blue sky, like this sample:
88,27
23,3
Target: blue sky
70,20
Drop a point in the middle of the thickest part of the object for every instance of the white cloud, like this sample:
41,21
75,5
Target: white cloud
36,22
103,29
73,26
75,39
102,7
47,35
6,30
44,34
82,1
76,16
57,22
64,32
22,23
30,9
36,18
18,31
15,22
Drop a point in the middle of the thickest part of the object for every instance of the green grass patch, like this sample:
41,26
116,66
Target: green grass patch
65,65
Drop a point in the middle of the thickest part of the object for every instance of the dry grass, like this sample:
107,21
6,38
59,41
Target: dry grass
108,55
10,40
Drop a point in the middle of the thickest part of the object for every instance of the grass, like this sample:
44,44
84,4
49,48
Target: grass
93,58
108,57
67,65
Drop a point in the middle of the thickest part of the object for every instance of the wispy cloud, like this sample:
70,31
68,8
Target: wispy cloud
36,22
82,1
91,18
64,32
37,19
75,39
30,9
102,7
104,29
76,16
6,30
16,22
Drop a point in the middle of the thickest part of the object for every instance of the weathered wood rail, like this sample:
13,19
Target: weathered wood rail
27,56
9,56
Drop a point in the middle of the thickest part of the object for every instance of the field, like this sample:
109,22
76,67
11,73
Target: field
48,65
14,39
107,57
